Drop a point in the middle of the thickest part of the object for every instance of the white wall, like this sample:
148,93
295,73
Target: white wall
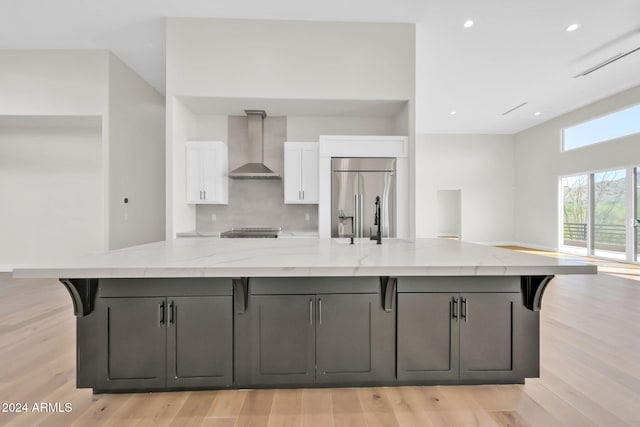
539,163
44,86
307,128
53,82
50,188
482,167
136,158
401,121
180,216
212,127
51,91
290,59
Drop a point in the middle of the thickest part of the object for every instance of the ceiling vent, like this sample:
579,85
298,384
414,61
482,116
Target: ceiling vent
607,62
514,109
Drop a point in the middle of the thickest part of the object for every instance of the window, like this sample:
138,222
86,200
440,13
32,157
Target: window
611,126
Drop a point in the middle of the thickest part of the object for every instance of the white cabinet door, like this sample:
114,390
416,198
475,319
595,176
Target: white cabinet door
207,172
292,173
194,190
310,173
215,173
301,172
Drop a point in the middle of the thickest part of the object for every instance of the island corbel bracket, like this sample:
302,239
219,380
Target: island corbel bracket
240,293
388,285
83,294
532,288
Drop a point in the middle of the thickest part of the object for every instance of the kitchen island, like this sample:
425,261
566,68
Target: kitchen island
236,313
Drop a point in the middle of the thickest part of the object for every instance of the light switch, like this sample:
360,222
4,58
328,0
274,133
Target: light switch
213,217
307,217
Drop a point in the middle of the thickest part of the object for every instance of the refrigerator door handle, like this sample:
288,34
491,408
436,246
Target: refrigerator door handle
356,216
361,221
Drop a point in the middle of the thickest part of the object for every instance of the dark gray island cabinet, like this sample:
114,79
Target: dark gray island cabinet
470,330
154,334
315,330
150,334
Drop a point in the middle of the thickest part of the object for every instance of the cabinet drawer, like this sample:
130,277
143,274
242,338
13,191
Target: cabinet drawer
459,284
145,287
313,285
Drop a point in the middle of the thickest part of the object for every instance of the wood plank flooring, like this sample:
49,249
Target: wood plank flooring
590,373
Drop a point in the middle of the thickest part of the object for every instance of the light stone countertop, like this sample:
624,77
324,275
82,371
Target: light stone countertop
197,234
213,257
281,234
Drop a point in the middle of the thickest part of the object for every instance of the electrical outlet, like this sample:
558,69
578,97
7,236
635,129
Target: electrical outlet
307,217
213,217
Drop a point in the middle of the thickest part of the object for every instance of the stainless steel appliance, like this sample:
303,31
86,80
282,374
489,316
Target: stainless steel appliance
355,183
255,169
251,232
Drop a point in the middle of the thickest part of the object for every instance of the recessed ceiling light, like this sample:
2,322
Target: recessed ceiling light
537,113
468,23
453,113
572,27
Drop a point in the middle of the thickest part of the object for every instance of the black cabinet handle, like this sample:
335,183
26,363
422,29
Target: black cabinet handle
454,309
464,305
171,313
161,314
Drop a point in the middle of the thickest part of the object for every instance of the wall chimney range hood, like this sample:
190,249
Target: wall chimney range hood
255,168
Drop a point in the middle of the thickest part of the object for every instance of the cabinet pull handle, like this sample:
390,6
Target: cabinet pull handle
320,311
454,309
204,193
463,315
302,194
161,314
171,313
311,312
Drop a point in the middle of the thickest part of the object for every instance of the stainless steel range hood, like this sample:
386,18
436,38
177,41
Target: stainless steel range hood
255,168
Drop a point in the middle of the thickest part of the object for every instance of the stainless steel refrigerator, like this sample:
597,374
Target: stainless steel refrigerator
355,183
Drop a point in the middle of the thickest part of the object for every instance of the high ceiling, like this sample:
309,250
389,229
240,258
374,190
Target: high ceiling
516,52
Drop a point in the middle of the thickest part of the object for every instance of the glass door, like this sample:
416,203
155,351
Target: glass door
609,214
575,210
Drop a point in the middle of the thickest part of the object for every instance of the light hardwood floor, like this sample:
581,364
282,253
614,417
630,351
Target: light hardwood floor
590,373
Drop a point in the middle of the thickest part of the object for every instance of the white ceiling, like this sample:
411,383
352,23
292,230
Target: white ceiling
518,50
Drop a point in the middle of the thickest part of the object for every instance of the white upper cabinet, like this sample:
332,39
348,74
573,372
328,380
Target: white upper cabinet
207,172
301,172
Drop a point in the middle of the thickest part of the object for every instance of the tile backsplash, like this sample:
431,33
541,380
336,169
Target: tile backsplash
257,202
